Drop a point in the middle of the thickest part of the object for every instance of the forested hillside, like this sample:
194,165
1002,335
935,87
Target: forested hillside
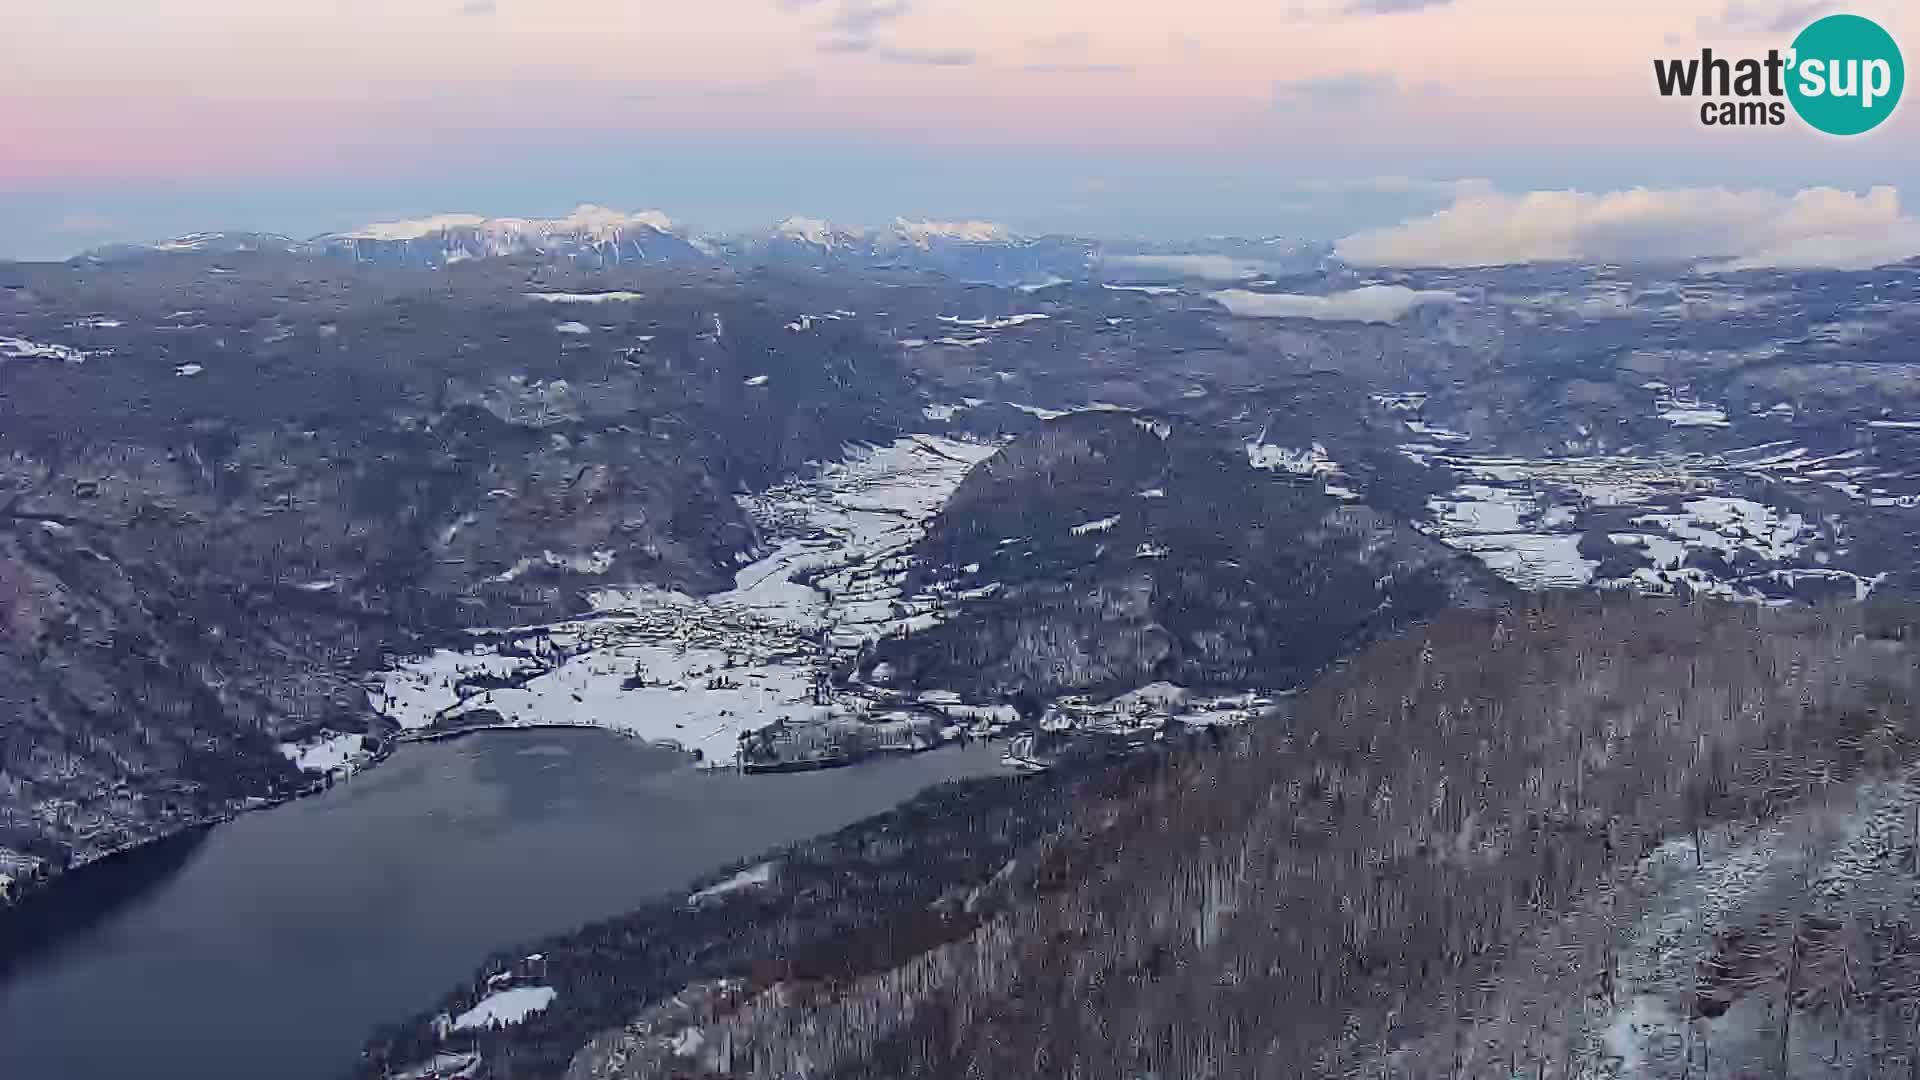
224,505
1586,836
1115,549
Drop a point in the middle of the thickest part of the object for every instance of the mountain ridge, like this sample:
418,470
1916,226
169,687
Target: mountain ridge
596,236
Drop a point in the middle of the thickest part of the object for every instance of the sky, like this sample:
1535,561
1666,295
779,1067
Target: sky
1323,119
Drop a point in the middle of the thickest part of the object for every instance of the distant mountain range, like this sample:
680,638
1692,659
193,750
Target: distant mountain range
594,236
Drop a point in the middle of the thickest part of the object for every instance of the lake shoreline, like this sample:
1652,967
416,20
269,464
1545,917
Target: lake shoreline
383,895
36,890
70,901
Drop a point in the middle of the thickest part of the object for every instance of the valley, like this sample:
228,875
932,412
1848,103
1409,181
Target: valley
272,514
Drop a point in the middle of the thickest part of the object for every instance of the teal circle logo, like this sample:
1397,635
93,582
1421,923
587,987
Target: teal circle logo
1846,75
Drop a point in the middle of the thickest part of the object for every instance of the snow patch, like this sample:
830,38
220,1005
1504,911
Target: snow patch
327,753
1044,414
13,348
598,561
1049,282
994,324
1685,412
923,233
1368,304
1313,461
614,297
808,230
505,1008
751,878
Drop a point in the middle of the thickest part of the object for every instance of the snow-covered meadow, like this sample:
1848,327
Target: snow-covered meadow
1713,523
504,1008
698,672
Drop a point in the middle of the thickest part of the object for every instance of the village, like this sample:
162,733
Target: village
765,676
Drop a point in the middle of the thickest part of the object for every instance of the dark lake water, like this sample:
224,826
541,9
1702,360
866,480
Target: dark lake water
274,945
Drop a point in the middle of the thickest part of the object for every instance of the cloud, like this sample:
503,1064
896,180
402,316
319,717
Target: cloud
1764,16
1774,18
1081,68
1370,304
1072,39
1336,10
1818,228
850,30
1208,267
927,57
1392,7
860,18
1329,91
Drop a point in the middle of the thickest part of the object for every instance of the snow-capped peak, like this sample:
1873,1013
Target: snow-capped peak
597,222
812,231
921,233
415,229
189,242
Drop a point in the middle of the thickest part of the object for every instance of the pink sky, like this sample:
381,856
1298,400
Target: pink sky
133,119
129,88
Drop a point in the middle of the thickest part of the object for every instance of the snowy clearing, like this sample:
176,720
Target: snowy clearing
613,297
992,323
1526,519
13,348
505,1008
697,672
327,753
751,878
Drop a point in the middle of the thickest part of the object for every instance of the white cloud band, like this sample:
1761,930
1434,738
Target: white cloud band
1207,267
1818,228
1372,304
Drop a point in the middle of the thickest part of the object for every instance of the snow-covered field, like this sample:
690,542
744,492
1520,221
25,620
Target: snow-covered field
698,672
1714,523
753,877
612,297
327,753
13,348
995,324
1313,460
504,1008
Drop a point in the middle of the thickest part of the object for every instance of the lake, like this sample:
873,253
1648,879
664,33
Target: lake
277,942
